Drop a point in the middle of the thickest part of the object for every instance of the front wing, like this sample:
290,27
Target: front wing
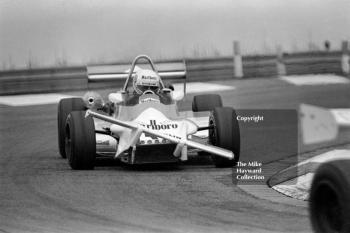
181,141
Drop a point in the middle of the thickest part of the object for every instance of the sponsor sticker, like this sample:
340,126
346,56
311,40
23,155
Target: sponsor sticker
160,126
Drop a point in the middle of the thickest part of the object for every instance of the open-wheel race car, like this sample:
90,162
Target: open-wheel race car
141,124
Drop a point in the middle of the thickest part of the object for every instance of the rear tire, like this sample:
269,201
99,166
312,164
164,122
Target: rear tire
329,204
80,141
65,106
206,102
225,134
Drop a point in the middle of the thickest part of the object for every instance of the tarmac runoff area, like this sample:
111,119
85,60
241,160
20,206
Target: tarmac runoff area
312,79
41,194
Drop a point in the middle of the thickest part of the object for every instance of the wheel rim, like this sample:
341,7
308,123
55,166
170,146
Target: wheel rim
212,131
68,143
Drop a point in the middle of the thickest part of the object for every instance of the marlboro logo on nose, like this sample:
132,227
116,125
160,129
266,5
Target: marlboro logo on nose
154,126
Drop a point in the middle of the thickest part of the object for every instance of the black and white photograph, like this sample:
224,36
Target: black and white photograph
175,116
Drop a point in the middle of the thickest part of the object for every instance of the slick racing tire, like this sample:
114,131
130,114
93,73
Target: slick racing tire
65,106
80,141
329,203
224,133
206,102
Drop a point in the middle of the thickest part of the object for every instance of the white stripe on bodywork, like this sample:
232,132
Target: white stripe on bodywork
315,79
32,99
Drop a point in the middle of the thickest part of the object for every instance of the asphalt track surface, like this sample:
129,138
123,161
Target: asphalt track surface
40,193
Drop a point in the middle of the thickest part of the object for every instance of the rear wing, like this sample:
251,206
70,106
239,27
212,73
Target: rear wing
175,70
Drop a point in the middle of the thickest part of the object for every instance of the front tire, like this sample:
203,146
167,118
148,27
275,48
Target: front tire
225,133
80,141
329,204
65,106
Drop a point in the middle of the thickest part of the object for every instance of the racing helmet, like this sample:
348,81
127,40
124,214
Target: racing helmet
146,80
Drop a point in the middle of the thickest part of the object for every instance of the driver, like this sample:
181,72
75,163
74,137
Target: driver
146,80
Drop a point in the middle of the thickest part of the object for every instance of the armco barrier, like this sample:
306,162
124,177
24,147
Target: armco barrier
259,66
223,68
264,66
113,75
209,69
43,80
313,63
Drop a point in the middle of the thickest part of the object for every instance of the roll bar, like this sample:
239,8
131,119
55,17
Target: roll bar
147,58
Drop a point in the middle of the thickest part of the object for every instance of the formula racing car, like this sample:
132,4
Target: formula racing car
141,124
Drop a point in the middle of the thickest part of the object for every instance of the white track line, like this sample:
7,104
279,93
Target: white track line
32,99
297,188
315,79
198,87
52,98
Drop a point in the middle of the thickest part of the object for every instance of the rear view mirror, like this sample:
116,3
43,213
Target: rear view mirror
178,95
115,97
93,100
